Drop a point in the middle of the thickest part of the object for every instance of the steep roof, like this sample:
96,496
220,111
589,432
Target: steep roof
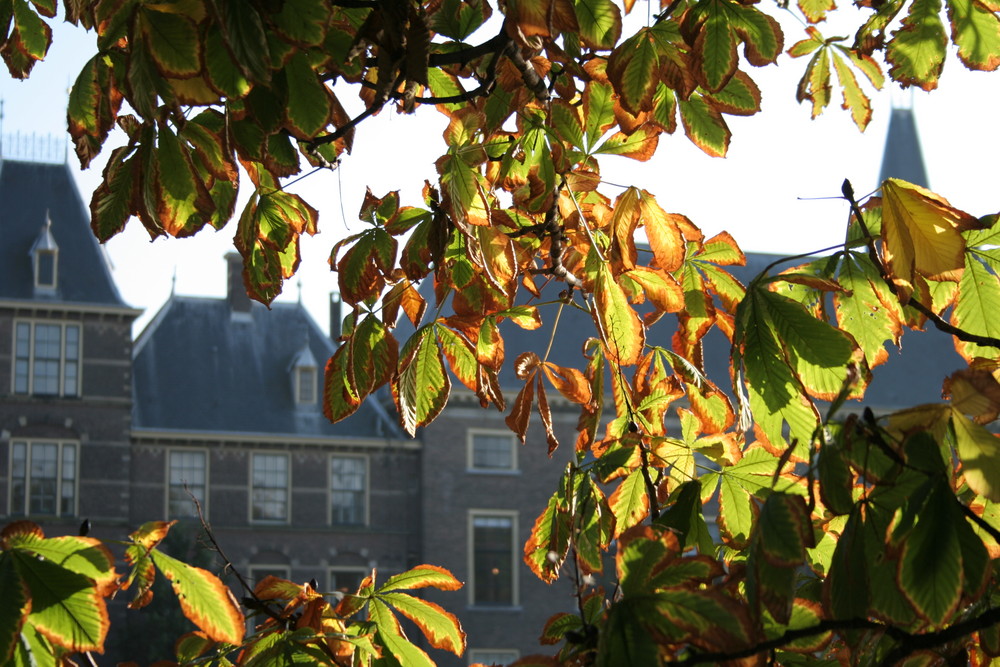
901,157
29,192
200,367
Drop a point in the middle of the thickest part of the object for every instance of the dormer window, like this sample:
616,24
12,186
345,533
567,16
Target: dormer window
305,381
304,371
45,258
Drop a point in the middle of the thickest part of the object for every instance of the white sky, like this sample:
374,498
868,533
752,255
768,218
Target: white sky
775,157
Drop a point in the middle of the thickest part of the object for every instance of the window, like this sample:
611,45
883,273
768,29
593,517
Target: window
257,573
346,581
492,656
186,476
492,451
47,359
348,490
43,478
494,562
45,269
269,500
305,385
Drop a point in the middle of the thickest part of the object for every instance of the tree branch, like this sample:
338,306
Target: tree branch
907,642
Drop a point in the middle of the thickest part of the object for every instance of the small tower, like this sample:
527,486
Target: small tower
902,157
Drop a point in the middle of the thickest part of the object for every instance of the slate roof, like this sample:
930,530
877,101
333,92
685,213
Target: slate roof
29,190
902,157
200,369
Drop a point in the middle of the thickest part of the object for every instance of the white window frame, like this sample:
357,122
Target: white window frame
512,515
288,489
24,501
301,371
33,325
471,451
330,519
476,653
168,484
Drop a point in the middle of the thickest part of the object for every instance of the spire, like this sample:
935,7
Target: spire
902,157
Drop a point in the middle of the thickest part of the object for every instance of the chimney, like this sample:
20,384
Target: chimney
236,292
335,317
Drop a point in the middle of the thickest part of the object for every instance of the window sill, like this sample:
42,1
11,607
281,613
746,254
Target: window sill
492,471
503,609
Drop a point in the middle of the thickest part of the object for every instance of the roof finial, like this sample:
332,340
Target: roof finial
173,282
299,284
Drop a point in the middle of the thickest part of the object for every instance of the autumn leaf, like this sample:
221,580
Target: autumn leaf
921,234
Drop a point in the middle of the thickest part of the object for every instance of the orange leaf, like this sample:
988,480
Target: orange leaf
570,382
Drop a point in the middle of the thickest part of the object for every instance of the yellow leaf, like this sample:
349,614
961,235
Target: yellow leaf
921,235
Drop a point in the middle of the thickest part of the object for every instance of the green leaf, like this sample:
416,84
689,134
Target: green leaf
172,40
111,205
714,48
704,126
867,309
740,96
625,639
975,29
422,385
815,10
340,400
686,517
776,394
33,33
223,74
441,628
546,548
600,23
16,604
818,351
835,479
979,451
243,32
854,98
422,576
847,583
785,530
976,307
390,635
205,600
183,204
458,19
620,328
65,606
308,109
302,22
916,51
94,102
930,565
629,502
598,111
631,70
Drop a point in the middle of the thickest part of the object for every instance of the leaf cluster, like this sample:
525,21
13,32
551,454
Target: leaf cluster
842,535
